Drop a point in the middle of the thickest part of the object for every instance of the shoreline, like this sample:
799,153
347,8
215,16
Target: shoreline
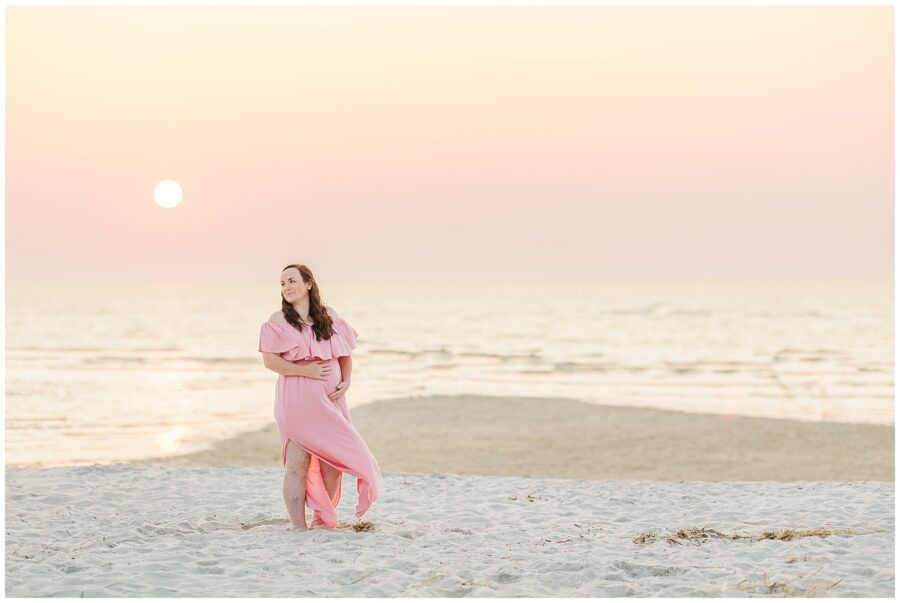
547,438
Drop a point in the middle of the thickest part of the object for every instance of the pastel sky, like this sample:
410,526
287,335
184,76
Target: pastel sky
492,142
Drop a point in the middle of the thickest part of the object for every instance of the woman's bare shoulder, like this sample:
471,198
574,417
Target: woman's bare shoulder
277,317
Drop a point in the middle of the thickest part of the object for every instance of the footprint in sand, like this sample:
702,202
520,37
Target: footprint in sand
69,568
249,525
505,578
637,570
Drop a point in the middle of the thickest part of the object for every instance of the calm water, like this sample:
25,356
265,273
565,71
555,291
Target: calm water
112,373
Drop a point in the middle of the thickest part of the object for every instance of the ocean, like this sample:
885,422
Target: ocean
107,373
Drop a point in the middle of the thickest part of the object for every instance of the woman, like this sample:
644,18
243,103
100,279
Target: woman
309,346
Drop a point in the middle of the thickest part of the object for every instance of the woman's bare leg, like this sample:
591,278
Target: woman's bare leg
331,477
294,488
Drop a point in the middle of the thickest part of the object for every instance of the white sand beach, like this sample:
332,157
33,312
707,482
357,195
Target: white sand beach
481,497
125,530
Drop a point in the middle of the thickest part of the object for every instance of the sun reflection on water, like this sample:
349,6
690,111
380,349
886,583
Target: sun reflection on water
170,440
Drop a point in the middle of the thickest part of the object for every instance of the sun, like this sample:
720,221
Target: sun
167,193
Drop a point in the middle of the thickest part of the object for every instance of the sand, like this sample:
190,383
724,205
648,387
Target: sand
567,439
126,530
481,497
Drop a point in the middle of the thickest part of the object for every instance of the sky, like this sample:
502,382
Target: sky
449,142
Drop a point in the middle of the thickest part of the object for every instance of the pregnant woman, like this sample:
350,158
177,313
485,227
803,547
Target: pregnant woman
309,346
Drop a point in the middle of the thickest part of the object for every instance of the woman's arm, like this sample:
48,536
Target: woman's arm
346,363
276,363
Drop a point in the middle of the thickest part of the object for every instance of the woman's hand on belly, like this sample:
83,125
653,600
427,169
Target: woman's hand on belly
316,369
341,389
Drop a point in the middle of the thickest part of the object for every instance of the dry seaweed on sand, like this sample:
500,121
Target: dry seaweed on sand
701,535
790,534
530,497
784,588
363,526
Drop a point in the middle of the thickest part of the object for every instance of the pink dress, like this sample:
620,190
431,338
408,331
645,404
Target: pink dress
306,416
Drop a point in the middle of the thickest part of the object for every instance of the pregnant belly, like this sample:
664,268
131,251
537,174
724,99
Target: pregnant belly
334,376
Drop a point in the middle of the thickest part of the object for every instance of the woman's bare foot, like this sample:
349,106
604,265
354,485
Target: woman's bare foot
298,529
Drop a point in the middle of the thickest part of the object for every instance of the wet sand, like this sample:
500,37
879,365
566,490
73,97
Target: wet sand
559,438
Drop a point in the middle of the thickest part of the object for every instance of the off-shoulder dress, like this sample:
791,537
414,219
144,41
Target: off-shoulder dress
306,416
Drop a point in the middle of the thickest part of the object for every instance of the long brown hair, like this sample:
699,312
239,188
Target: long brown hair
322,324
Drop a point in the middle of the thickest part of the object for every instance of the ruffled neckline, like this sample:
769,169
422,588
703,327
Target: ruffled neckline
299,344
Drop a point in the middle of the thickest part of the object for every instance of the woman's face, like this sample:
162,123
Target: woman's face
292,286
